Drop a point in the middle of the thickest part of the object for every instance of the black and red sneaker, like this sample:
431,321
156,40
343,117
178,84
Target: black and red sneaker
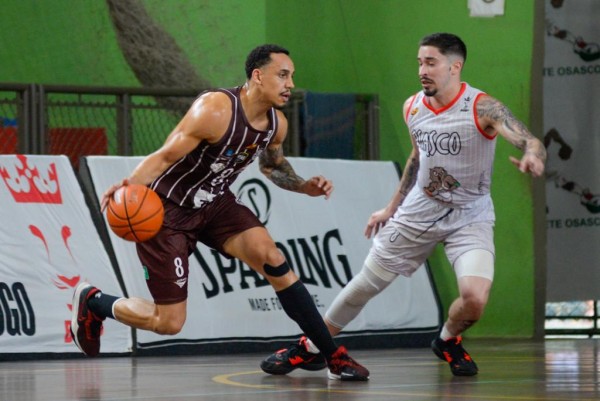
85,326
344,368
452,351
295,356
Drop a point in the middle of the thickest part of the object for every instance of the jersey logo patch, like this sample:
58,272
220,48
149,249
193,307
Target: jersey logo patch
216,167
241,157
181,282
441,184
202,197
466,107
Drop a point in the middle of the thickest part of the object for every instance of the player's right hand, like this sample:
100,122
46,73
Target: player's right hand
376,221
109,193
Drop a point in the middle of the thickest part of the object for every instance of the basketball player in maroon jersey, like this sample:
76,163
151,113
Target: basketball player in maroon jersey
443,197
224,131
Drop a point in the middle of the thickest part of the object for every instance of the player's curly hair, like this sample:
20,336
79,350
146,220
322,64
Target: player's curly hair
261,56
447,43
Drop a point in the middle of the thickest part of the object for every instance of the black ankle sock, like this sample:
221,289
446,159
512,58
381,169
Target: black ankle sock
299,305
101,305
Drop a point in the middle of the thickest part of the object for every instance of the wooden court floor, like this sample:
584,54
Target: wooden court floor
509,370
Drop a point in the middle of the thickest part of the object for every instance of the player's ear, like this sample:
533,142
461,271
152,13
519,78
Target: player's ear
457,65
257,76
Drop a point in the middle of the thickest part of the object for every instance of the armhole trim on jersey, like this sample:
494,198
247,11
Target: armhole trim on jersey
233,95
479,128
274,123
409,107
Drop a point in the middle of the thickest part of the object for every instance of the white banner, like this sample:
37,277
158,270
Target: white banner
49,244
485,8
322,239
572,137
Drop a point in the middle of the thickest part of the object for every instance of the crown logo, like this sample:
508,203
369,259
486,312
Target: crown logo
27,185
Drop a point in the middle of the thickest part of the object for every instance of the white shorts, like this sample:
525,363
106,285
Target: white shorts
410,236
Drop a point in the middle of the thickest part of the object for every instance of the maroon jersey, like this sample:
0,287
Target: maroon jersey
208,170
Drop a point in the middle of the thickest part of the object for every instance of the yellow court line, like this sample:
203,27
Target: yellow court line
226,379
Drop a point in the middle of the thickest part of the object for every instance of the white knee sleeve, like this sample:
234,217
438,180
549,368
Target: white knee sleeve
477,262
371,280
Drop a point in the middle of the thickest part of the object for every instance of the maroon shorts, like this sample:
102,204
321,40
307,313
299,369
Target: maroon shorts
165,257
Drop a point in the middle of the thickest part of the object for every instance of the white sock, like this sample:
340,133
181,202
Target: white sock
445,334
113,307
311,347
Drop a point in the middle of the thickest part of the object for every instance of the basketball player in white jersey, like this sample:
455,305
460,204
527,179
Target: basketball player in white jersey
443,197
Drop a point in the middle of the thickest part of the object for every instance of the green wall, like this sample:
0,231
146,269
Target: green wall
73,42
351,46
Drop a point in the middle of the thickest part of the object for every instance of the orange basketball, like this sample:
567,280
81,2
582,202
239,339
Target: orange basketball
135,213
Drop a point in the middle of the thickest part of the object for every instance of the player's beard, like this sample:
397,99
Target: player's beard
429,89
429,92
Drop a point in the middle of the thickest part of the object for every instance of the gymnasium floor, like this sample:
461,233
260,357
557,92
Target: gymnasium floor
509,370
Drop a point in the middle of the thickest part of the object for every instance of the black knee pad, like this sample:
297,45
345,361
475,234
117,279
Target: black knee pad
277,271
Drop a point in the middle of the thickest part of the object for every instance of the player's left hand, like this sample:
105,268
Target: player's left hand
529,163
318,186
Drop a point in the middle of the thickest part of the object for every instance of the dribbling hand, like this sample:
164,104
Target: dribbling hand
109,193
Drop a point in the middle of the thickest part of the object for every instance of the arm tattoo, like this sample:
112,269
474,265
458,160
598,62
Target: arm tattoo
492,109
275,167
512,129
465,324
409,178
284,176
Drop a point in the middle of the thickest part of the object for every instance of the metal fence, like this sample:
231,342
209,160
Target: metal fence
87,120
79,121
575,318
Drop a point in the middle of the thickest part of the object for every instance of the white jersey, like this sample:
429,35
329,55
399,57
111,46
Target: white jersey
456,155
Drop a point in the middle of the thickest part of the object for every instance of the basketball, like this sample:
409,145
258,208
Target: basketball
135,213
